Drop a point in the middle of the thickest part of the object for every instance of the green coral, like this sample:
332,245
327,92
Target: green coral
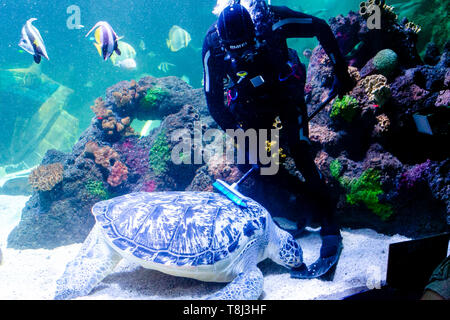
97,189
366,190
153,97
160,154
335,169
345,108
385,61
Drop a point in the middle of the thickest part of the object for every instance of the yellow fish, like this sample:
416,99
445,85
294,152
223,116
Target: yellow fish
178,39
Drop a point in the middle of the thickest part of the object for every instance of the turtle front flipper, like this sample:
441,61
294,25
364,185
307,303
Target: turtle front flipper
248,285
93,263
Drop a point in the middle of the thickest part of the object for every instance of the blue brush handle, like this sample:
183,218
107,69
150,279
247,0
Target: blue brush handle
245,176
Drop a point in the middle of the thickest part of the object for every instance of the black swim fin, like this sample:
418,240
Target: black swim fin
320,268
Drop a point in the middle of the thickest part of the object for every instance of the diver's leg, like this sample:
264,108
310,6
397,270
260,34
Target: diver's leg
316,190
297,131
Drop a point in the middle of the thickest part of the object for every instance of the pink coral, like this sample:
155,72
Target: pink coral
149,186
118,174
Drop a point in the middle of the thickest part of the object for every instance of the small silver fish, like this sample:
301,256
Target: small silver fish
106,40
307,53
128,64
32,42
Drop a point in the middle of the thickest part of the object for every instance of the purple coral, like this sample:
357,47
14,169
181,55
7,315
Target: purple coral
414,176
135,156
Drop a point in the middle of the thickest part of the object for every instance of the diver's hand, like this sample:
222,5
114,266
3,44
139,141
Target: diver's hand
342,85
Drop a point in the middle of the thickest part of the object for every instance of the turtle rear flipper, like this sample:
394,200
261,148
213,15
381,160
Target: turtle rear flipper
93,263
247,285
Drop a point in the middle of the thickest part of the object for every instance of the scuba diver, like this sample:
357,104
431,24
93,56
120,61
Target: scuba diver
246,56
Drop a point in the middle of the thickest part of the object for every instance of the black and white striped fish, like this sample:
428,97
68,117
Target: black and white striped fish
32,42
106,40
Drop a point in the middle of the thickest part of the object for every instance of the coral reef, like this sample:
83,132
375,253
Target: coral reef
135,155
97,189
415,176
385,62
100,110
335,169
104,156
153,97
382,126
133,92
46,177
149,186
159,156
377,89
366,189
345,108
118,174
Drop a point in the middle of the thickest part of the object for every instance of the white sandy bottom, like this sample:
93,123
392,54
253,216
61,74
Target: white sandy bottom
32,274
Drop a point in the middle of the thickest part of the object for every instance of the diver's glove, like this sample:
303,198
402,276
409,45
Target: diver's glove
329,255
342,85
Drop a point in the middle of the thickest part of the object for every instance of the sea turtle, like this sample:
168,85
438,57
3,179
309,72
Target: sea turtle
199,235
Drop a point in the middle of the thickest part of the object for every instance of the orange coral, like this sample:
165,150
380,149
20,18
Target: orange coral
100,109
46,177
90,147
109,124
133,92
126,121
122,98
118,174
125,99
103,156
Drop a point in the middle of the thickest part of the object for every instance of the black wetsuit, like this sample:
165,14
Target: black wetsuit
282,95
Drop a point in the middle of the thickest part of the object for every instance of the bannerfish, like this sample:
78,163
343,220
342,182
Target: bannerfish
106,40
127,52
128,64
178,39
165,66
32,42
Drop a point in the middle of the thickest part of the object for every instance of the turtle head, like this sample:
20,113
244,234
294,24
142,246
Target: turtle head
283,249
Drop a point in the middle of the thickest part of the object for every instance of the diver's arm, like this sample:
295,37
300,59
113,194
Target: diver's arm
213,86
294,24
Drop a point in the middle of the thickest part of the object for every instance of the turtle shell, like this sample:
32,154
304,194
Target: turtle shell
179,228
